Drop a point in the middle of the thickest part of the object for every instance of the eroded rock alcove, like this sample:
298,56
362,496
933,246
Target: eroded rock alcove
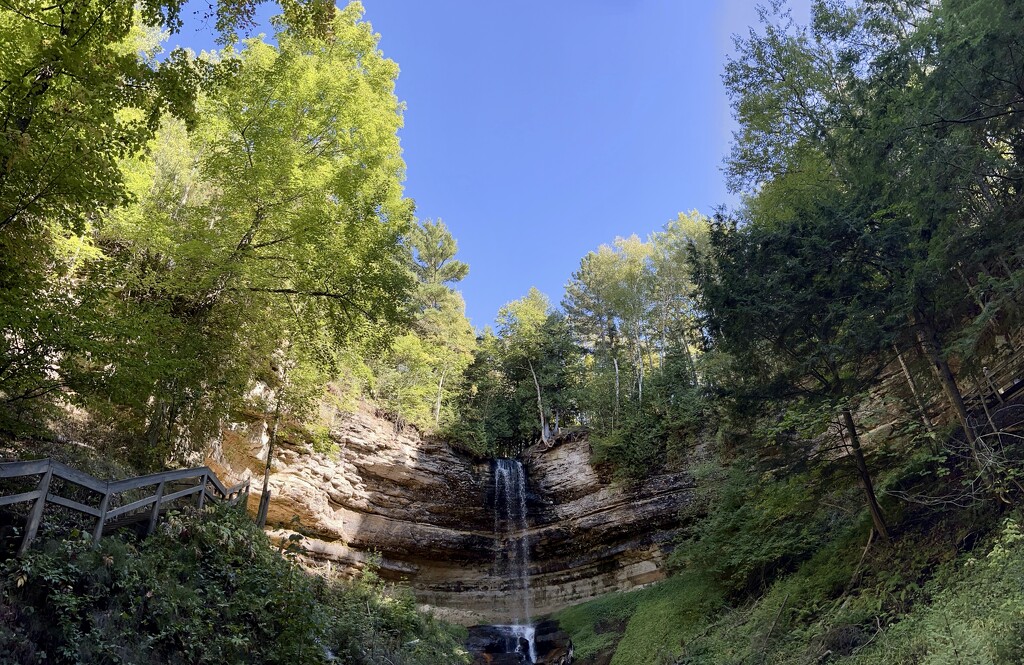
422,508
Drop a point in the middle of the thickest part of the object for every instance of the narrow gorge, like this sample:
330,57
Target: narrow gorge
426,512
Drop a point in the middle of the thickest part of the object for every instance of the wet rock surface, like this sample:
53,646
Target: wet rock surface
497,644
426,511
511,644
552,644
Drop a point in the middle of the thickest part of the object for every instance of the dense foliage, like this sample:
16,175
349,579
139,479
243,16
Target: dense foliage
621,359
418,379
939,595
207,588
178,228
860,500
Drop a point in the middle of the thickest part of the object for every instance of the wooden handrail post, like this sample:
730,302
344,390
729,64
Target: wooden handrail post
156,508
98,531
36,514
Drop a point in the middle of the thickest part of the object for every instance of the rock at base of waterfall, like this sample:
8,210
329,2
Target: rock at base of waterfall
508,645
552,644
497,645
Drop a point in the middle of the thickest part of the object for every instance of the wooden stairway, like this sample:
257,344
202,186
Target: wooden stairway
117,503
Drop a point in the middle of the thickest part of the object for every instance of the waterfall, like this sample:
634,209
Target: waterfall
512,551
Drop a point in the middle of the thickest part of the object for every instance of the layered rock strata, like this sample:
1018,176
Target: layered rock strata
423,511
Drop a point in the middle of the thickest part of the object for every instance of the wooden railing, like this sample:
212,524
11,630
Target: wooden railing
201,482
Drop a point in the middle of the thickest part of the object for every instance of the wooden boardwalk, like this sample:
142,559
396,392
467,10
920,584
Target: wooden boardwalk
111,509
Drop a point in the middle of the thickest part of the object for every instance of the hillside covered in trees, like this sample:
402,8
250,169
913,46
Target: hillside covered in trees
189,241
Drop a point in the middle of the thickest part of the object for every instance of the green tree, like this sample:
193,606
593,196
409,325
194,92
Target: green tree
443,336
794,302
520,325
452,341
81,89
609,302
676,311
273,224
489,414
433,252
886,105
421,375
631,306
75,98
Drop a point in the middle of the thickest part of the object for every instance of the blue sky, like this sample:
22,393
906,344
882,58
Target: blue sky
540,130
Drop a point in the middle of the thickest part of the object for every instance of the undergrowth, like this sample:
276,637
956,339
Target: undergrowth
207,588
777,572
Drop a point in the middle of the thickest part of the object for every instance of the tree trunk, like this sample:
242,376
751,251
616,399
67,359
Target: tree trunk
164,418
664,334
685,338
865,477
977,298
265,496
615,361
926,336
540,404
437,407
913,390
970,288
640,381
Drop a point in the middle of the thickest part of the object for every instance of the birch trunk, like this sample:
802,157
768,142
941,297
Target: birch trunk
540,404
615,361
913,390
437,406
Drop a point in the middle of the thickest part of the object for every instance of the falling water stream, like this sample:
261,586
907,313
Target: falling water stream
512,552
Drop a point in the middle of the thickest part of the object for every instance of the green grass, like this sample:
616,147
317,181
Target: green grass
668,616
597,625
645,624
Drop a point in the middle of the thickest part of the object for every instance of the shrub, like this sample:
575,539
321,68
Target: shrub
207,588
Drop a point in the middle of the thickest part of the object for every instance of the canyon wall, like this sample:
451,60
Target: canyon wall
423,510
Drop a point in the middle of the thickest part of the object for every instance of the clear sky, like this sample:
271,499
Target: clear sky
539,130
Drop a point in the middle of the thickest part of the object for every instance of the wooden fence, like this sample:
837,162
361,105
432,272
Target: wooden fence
111,510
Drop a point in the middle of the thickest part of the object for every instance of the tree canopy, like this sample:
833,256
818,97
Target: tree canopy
227,217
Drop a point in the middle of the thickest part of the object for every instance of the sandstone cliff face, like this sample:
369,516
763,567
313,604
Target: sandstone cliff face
423,509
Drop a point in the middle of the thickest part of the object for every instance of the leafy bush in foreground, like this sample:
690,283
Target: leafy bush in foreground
207,588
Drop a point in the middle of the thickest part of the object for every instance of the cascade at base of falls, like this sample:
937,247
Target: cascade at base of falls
510,645
503,643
